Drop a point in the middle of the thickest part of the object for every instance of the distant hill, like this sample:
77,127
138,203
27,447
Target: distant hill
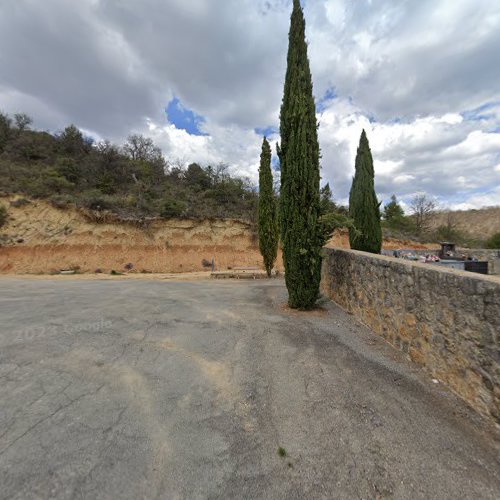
479,224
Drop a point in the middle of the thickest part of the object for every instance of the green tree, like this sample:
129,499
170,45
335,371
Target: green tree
268,216
393,211
68,167
197,177
72,142
301,233
5,130
171,207
326,197
364,207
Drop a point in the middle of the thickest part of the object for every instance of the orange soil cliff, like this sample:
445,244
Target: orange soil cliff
41,239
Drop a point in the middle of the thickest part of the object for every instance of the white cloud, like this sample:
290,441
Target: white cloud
418,76
436,154
488,199
240,148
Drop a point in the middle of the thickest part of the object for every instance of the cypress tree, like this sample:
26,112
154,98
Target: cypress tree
268,217
364,207
301,235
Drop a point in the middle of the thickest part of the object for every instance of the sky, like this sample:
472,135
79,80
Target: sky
204,79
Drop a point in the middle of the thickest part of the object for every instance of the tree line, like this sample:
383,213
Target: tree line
133,180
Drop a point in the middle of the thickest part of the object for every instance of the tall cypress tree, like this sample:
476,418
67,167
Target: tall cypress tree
301,235
364,207
268,217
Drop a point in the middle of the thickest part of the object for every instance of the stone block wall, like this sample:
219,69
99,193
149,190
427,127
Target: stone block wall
445,320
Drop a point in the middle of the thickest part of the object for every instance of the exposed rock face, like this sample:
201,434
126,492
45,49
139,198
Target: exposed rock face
54,238
447,321
41,239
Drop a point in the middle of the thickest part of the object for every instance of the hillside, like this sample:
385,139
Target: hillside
132,180
42,239
477,224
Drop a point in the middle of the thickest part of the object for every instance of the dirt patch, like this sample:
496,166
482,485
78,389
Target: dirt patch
47,259
316,312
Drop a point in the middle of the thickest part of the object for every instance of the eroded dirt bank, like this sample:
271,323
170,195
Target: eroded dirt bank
41,239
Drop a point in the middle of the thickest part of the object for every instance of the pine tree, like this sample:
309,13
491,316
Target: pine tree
327,205
301,234
268,216
393,210
364,207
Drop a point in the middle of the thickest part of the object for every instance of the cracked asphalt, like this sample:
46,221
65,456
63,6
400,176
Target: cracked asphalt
150,389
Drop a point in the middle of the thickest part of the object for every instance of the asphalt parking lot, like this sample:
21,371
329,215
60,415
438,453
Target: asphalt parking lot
151,389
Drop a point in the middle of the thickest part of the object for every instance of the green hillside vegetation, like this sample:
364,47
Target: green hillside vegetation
132,180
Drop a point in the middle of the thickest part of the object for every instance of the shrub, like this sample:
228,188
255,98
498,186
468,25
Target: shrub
447,233
61,200
20,202
3,215
171,208
95,200
494,242
133,181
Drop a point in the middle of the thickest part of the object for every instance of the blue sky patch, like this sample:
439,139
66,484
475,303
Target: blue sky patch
183,118
275,163
329,96
480,113
266,131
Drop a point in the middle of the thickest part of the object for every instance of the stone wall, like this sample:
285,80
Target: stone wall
447,321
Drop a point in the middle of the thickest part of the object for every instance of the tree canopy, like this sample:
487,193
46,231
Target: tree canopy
301,232
268,217
364,208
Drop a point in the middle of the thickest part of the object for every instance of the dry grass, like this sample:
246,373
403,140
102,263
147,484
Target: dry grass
478,224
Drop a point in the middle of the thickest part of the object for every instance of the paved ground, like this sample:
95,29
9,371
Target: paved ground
135,389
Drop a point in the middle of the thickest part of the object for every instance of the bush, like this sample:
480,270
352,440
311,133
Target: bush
447,233
96,200
20,202
494,242
3,215
61,200
171,208
55,182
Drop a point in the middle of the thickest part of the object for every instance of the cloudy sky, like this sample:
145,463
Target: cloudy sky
204,78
